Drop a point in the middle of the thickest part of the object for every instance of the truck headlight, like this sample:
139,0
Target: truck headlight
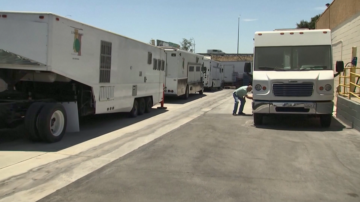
258,87
328,87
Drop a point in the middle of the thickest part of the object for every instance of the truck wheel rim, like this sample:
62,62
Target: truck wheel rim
57,123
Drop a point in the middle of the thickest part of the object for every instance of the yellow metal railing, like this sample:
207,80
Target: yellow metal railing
348,83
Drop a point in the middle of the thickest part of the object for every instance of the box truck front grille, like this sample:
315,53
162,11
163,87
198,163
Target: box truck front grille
293,89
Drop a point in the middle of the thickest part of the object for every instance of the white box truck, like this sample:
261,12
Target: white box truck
183,73
233,71
213,74
54,70
293,74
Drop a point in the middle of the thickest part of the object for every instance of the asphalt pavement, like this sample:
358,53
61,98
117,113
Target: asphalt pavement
220,157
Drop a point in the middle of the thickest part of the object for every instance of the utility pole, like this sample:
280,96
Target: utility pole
194,43
238,35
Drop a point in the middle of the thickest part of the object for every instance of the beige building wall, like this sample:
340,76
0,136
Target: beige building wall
337,13
343,18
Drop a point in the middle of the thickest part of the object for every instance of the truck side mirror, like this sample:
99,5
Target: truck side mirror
247,67
339,66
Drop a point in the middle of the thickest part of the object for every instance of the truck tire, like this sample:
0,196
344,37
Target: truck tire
325,120
134,110
52,122
258,119
142,106
201,92
30,121
149,104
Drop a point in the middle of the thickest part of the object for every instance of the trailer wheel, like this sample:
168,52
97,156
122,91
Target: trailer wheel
30,120
134,110
149,104
201,92
52,122
142,106
325,120
258,119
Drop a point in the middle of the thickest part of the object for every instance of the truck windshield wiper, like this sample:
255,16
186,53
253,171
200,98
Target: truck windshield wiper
266,68
313,68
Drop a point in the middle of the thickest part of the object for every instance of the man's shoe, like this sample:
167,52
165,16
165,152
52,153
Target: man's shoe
242,113
234,114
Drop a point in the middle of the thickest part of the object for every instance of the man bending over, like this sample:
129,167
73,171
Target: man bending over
240,94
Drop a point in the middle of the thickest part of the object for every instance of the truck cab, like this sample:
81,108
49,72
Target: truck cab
293,74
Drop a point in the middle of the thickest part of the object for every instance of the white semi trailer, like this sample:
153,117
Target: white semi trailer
54,70
183,73
293,74
213,74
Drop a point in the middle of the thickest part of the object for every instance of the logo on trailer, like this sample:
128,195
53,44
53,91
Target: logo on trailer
77,41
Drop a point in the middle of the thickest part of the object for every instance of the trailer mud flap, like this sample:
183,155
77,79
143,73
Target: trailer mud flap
72,117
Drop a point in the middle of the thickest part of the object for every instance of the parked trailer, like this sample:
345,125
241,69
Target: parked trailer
183,73
54,70
213,74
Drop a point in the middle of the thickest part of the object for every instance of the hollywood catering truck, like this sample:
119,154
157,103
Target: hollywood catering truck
54,70
293,74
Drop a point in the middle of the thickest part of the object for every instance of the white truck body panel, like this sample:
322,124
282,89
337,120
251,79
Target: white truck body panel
183,69
213,75
50,42
27,36
296,78
308,38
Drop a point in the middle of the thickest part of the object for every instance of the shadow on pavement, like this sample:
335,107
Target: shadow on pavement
91,127
213,90
181,100
298,123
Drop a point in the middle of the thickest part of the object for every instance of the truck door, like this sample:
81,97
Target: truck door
191,73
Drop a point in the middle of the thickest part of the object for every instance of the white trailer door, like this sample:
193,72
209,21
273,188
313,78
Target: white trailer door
191,73
228,73
198,73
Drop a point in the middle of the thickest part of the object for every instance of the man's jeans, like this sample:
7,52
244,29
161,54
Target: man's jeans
242,99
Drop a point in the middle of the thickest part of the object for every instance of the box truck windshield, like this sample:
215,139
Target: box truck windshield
293,58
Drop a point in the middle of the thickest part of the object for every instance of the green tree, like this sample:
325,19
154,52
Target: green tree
186,44
306,24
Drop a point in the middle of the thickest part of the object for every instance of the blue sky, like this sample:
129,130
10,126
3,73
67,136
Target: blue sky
212,23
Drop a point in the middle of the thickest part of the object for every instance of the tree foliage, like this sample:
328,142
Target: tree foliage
307,24
186,44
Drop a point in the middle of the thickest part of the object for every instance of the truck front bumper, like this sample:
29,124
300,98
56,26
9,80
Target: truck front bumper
289,107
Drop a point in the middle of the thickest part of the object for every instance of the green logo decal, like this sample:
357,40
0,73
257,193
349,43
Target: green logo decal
77,42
